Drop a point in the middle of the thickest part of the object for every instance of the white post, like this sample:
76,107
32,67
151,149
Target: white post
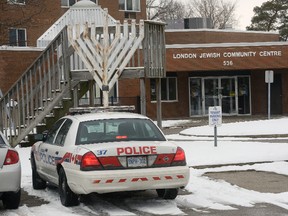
269,100
105,86
269,78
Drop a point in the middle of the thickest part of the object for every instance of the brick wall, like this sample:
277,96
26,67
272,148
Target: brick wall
217,36
12,66
113,9
36,16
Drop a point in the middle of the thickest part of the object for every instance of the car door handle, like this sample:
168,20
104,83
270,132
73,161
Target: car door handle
56,152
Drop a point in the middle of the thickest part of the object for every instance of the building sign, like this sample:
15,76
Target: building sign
221,58
227,54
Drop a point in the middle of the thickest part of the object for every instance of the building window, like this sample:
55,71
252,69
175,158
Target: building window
16,1
129,5
17,37
68,3
130,15
168,89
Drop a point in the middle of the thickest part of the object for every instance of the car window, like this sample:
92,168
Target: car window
60,138
53,131
115,130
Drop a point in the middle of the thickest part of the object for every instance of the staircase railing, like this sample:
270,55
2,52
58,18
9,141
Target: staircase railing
44,84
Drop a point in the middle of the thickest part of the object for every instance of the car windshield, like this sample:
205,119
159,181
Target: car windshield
116,130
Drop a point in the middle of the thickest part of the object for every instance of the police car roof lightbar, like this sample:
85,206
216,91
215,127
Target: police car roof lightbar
83,110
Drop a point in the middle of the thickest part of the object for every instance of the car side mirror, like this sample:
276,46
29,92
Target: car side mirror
41,137
38,137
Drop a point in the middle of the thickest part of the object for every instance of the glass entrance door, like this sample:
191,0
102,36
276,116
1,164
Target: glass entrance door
211,93
214,91
196,97
228,96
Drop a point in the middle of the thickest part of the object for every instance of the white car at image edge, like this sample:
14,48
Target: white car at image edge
107,152
10,175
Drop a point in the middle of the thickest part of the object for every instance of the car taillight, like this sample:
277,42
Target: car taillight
90,162
179,159
110,162
12,157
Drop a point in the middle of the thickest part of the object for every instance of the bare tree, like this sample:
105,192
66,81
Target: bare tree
22,15
220,12
165,10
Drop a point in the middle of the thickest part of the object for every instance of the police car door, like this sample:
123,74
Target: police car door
58,150
47,151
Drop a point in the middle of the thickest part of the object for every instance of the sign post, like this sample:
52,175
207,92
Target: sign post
215,119
269,78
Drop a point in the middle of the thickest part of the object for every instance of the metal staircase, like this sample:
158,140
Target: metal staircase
59,77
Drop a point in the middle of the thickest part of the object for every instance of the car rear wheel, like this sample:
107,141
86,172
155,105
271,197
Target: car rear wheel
167,193
67,197
37,182
11,200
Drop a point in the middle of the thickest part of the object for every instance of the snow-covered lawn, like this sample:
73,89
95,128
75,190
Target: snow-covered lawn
205,192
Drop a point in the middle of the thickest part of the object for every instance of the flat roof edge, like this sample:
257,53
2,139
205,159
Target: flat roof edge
14,48
210,45
221,30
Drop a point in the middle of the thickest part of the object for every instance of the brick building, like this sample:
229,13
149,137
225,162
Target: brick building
204,67
23,22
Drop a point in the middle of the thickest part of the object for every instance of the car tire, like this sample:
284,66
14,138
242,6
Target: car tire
167,193
37,182
11,200
67,197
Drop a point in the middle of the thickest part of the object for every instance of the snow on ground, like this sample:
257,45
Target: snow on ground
261,127
205,192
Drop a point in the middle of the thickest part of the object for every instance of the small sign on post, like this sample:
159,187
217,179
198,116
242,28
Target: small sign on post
215,120
269,78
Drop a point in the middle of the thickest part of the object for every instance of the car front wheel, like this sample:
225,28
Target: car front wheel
11,200
67,197
167,193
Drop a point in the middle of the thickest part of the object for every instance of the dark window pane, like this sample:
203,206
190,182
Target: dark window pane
64,3
60,139
164,93
52,132
71,2
12,37
129,5
21,37
172,88
121,4
136,5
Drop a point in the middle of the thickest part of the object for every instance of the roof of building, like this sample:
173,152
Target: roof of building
220,30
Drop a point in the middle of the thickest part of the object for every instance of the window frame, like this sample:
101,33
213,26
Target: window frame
134,9
68,4
166,80
16,43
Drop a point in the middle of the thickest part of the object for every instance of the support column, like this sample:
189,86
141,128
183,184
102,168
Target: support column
142,96
105,86
159,104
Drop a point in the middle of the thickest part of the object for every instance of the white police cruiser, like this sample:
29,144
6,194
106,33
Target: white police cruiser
107,152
